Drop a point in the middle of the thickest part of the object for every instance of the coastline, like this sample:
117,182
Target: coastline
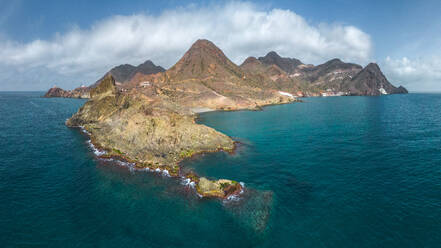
189,179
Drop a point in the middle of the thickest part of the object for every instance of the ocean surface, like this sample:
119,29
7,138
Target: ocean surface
328,172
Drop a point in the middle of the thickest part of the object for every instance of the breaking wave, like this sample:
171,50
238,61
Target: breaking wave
188,182
95,150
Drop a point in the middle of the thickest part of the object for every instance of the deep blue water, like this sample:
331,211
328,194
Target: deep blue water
329,172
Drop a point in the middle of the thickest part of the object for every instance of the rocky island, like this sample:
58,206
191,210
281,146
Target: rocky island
146,115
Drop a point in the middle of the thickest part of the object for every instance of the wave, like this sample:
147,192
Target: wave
95,150
188,182
235,197
83,130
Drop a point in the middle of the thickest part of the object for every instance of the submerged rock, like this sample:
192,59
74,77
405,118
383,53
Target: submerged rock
253,210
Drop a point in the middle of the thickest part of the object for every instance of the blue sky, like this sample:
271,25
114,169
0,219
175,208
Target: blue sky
64,42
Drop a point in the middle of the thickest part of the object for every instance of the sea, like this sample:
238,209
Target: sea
325,172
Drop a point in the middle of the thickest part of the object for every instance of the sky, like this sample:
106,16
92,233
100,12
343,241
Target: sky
69,43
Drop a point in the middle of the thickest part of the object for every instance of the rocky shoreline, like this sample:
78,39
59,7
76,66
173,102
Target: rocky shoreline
222,188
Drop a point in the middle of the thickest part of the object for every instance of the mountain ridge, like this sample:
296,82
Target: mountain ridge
206,70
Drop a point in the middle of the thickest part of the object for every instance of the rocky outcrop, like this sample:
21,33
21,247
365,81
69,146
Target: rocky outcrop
56,92
220,188
371,82
124,73
149,131
80,92
121,74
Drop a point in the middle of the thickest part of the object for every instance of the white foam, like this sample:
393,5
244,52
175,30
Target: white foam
231,198
201,110
235,197
95,150
84,130
383,91
243,186
286,94
165,173
126,164
189,183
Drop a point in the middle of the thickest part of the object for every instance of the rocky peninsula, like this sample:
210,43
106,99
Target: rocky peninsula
148,117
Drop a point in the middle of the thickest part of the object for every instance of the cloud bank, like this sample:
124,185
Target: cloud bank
418,75
239,29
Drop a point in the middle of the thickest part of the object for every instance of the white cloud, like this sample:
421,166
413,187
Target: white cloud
239,29
423,74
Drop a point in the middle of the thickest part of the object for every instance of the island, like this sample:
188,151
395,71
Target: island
146,115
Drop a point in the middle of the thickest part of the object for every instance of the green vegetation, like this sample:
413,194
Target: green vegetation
187,154
224,185
117,151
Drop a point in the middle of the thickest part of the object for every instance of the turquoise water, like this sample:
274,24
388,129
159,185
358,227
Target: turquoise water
329,172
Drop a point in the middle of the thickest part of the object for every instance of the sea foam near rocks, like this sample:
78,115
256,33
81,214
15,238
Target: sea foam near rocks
188,182
235,197
95,150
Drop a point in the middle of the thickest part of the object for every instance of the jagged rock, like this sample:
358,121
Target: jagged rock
371,82
56,92
220,188
80,92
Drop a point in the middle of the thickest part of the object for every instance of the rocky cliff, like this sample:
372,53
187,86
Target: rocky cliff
80,92
370,81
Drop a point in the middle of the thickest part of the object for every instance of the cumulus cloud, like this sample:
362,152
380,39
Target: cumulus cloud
423,74
239,29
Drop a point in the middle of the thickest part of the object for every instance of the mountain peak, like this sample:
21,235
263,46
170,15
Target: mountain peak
147,62
286,64
335,61
373,67
250,60
204,47
371,81
203,59
104,88
272,54
203,42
